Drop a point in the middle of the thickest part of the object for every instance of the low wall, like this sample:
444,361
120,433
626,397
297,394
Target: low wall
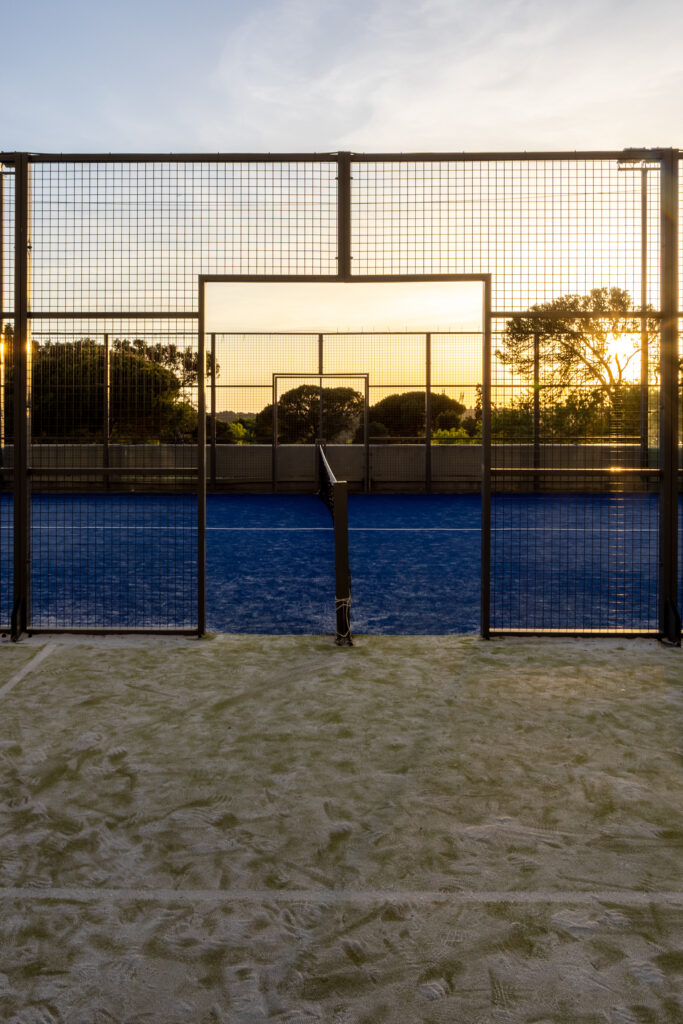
393,467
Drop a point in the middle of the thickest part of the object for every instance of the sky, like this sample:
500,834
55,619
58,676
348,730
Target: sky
325,75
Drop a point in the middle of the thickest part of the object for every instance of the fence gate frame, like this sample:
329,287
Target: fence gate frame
346,277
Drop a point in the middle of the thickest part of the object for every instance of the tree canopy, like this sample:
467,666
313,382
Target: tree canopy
146,401
299,415
403,415
576,340
588,354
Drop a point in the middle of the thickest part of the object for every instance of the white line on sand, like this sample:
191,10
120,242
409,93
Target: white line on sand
368,897
33,663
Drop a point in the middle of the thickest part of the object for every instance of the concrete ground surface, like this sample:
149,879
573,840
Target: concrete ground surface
416,829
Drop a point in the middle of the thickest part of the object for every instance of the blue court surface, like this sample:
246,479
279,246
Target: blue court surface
415,564
129,560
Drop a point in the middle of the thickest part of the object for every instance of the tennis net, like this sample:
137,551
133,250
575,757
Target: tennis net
334,494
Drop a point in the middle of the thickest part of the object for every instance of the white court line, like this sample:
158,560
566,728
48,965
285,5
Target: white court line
33,663
368,897
522,528
352,529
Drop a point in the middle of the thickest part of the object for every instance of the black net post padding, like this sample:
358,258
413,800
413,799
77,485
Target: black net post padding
334,493
341,565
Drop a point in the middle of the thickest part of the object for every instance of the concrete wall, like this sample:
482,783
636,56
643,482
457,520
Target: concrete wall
393,467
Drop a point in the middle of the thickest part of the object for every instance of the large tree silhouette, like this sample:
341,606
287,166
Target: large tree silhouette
576,340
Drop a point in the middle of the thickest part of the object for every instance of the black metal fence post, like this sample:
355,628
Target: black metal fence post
21,603
2,260
106,414
428,413
2,319
341,564
2,402
669,615
213,411
344,216
536,439
644,338
366,434
201,462
321,363
486,464
275,437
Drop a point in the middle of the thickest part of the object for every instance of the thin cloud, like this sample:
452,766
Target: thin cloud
395,75
438,75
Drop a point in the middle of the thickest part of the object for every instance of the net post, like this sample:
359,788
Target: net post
485,621
669,614
319,443
21,605
342,570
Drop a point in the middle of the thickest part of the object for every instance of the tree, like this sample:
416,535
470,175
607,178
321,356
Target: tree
581,370
182,362
299,416
403,415
576,335
145,396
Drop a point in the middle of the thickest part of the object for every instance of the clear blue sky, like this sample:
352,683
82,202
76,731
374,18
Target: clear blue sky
366,75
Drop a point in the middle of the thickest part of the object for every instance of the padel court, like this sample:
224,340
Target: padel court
502,431
558,562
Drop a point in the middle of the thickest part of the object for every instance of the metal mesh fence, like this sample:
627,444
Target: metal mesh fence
116,246
419,426
114,509
6,431
542,228
574,515
134,236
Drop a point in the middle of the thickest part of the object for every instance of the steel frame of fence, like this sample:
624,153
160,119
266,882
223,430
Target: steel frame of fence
667,160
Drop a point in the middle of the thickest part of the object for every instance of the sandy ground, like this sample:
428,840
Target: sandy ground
248,829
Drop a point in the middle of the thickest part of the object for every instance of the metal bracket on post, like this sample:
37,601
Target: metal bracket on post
669,615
